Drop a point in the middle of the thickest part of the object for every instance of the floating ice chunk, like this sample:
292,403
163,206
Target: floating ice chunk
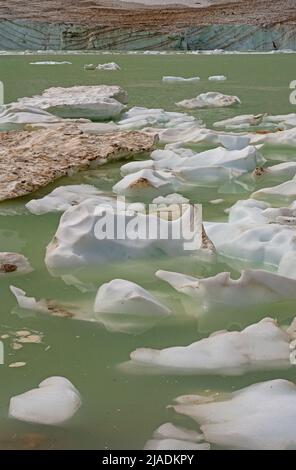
287,266
256,244
55,401
112,66
175,444
261,346
28,303
252,211
170,431
139,117
234,142
284,171
279,119
210,168
252,288
241,121
49,307
14,263
210,100
284,193
217,78
60,199
15,115
134,167
125,306
89,67
147,183
81,239
171,199
246,159
259,417
97,101
51,62
171,79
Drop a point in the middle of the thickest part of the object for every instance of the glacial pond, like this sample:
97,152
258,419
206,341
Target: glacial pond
121,408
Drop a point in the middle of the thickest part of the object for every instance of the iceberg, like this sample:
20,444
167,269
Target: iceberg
111,66
81,238
254,287
171,79
93,102
54,402
63,197
259,417
261,346
126,307
209,100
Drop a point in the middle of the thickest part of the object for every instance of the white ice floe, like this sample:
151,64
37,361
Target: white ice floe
217,78
81,237
178,167
171,437
284,193
234,142
174,198
254,287
253,244
55,401
89,67
172,79
96,101
252,211
209,168
60,199
125,306
261,346
282,171
51,62
195,133
264,120
146,183
139,117
133,167
111,66
14,263
287,266
241,122
29,303
259,417
16,115
211,99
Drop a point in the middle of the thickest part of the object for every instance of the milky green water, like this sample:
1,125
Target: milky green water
120,410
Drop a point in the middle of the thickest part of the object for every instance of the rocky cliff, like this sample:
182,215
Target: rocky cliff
27,35
89,24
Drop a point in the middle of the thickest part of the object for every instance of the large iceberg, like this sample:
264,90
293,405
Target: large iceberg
254,287
259,417
261,346
93,102
88,235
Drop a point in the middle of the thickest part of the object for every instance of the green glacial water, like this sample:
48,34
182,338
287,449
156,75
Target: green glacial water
121,410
